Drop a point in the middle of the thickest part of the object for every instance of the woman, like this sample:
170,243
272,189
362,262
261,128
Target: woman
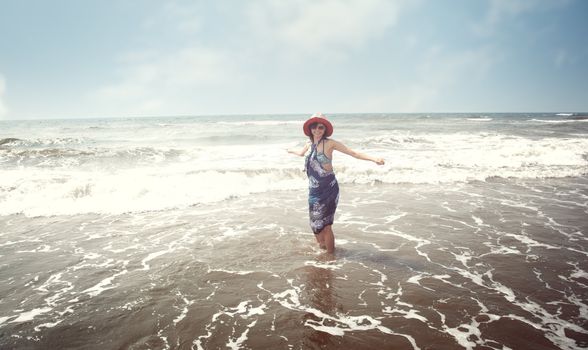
323,189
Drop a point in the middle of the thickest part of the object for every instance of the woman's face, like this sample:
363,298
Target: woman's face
317,130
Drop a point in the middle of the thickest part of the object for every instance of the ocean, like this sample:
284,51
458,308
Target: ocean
193,233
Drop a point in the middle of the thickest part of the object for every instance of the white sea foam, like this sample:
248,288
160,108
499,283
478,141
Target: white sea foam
185,309
151,257
106,283
263,122
235,344
29,315
47,325
326,266
87,171
556,121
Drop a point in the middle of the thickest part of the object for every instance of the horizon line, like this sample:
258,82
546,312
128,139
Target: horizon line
560,113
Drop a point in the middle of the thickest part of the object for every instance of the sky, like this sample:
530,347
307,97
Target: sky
120,58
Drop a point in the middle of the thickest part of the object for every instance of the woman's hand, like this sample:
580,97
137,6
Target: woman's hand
379,161
300,153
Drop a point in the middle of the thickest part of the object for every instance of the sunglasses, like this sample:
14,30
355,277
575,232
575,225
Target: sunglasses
318,126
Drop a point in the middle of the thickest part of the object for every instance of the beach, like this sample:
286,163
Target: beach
192,233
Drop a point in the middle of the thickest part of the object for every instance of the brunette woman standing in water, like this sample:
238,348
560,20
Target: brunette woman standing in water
323,189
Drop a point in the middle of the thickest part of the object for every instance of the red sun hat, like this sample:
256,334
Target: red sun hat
321,119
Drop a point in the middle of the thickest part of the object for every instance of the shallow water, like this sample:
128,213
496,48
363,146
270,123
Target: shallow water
496,264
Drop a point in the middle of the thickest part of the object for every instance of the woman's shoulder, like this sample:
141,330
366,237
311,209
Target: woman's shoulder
331,142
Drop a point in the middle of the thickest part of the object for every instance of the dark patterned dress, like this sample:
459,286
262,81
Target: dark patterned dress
323,190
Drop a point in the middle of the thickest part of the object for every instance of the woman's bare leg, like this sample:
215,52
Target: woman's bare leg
320,241
326,238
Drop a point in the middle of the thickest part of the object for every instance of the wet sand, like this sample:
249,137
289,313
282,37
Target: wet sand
482,265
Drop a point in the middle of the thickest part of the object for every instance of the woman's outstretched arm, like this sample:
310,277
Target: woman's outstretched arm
300,153
344,149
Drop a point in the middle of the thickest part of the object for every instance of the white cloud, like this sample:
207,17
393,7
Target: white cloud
272,37
439,78
153,83
180,16
502,10
311,27
3,109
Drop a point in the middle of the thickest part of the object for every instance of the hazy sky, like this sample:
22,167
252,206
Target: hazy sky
102,58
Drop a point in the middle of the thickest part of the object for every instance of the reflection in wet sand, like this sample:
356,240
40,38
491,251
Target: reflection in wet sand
319,286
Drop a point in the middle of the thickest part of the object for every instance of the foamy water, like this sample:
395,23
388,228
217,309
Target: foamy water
192,233
119,166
